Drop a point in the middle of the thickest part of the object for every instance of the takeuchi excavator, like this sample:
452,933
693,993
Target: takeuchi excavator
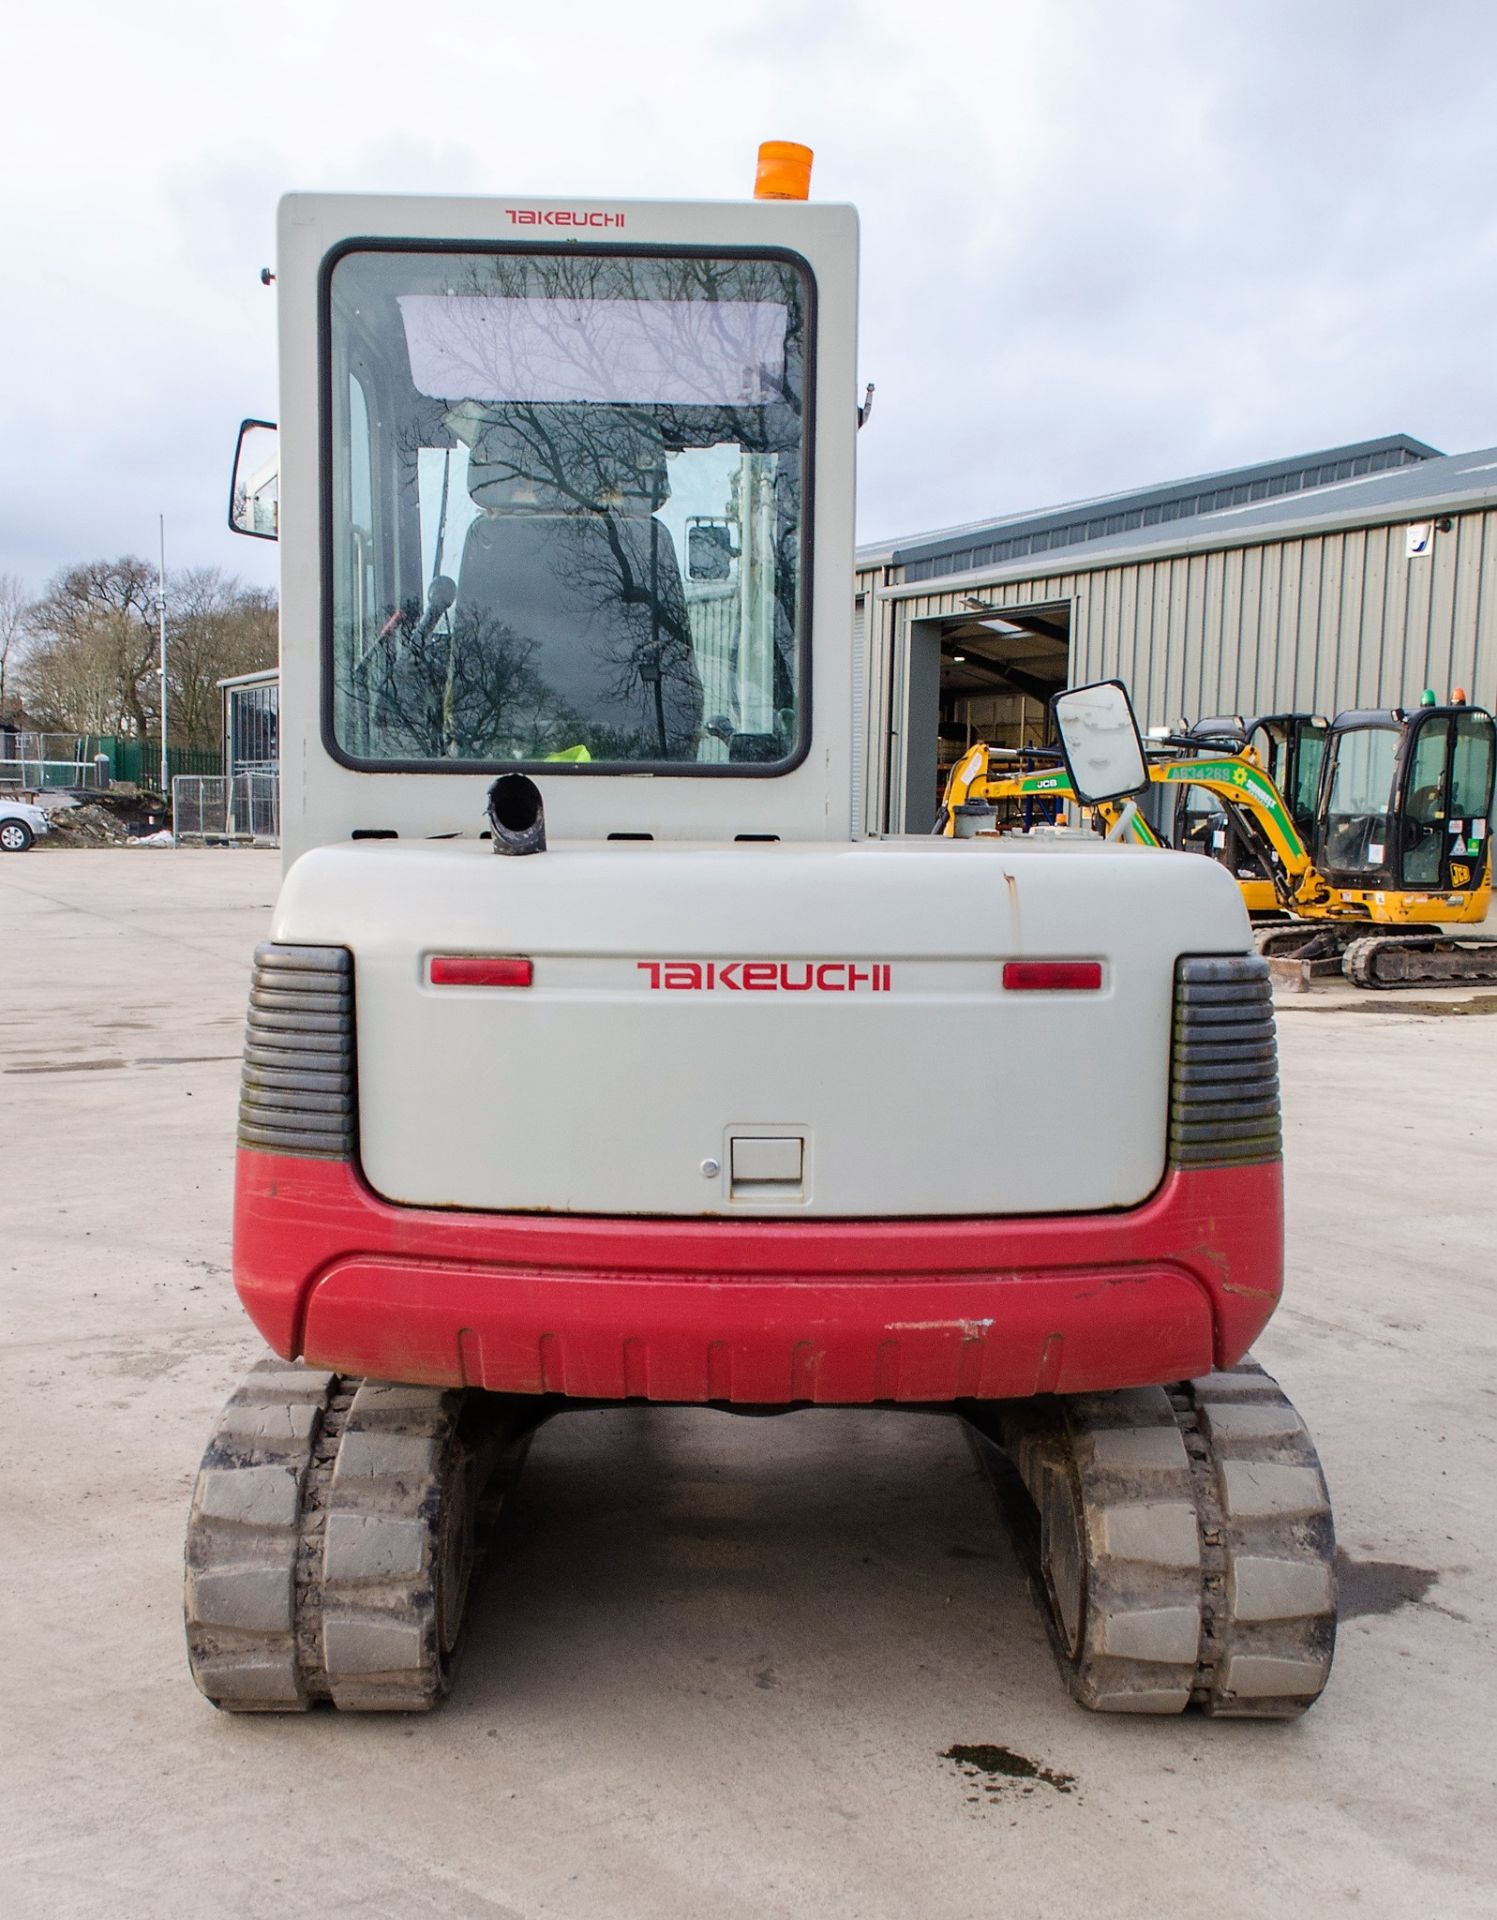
1393,854
596,1056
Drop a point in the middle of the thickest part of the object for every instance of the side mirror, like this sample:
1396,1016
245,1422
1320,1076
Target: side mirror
255,495
709,550
1099,739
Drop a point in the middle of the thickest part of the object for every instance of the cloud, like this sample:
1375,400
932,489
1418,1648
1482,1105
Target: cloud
1102,245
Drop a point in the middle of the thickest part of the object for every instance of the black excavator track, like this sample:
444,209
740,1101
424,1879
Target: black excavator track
335,1529
1181,1541
1431,958
1381,958
1284,939
1313,947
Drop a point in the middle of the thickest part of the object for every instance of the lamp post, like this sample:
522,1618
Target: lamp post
166,789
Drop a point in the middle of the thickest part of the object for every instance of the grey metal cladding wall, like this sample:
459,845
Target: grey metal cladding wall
1337,620
1343,619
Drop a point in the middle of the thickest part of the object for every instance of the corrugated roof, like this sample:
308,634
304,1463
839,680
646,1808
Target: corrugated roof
1164,513
1448,484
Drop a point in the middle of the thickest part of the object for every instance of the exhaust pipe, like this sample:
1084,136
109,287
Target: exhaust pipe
517,815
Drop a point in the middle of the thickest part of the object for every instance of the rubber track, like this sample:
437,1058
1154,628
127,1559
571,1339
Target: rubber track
1203,1572
315,1543
1380,961
243,1540
1269,1626
1281,941
1309,939
380,1596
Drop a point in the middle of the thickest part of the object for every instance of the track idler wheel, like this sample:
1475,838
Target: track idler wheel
1184,1546
335,1528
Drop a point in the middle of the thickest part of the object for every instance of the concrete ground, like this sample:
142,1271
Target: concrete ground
716,1667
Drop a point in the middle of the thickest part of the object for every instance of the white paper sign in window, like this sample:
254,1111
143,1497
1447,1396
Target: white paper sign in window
495,348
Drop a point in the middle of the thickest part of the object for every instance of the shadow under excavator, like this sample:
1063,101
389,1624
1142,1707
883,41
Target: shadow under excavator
648,1550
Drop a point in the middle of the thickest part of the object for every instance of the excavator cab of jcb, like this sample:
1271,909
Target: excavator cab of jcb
1292,748
1406,800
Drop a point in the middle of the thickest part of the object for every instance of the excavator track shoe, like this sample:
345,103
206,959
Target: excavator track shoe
1184,1549
335,1528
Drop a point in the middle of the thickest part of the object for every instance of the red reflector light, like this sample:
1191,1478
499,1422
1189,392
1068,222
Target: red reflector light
469,970
1052,976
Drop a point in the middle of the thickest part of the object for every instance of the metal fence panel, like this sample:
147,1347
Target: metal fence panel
34,762
213,807
39,776
200,807
37,760
256,805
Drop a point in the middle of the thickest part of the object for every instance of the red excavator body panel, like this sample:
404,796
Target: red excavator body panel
762,1312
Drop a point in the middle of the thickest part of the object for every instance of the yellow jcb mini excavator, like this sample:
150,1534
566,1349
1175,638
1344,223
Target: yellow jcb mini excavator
1396,849
1290,747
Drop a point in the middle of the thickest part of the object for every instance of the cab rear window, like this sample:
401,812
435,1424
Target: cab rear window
566,497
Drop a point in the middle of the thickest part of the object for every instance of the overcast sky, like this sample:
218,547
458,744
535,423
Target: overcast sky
1104,243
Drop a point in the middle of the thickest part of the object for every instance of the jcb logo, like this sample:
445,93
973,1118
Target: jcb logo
1459,876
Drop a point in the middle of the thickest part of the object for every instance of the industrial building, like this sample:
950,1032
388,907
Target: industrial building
1354,577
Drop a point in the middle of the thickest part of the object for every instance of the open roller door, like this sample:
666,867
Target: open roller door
984,674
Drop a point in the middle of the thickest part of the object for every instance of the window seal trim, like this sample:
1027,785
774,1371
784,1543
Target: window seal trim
609,769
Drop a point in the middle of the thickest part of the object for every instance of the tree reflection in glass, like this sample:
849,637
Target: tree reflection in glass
520,445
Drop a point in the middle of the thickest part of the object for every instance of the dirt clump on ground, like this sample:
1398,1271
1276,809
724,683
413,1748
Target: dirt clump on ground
106,820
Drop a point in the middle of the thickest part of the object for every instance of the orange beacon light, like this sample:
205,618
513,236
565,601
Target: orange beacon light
784,171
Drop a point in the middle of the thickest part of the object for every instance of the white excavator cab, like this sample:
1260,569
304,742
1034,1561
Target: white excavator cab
566,488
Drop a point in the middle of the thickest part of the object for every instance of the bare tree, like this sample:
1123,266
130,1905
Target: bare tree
215,627
90,662
90,649
13,604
